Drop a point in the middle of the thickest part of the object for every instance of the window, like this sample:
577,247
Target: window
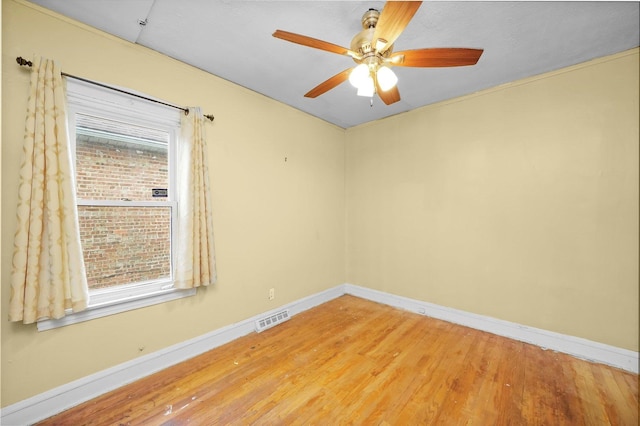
123,154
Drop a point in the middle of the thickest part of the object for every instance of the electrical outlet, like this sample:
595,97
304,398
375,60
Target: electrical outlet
272,293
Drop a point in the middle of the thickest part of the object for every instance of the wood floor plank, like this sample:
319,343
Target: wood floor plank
540,391
484,386
509,379
352,361
464,388
578,416
615,403
437,370
592,409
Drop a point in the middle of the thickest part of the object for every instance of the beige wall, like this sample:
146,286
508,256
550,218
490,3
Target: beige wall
520,203
278,224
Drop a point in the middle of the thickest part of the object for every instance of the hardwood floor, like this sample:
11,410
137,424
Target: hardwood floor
352,361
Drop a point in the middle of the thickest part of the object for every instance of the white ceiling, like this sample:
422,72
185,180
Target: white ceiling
232,39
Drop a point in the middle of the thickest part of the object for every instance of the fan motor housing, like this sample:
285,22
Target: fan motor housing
370,18
362,42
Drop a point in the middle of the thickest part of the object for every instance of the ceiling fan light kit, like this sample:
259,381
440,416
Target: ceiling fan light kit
362,78
358,75
387,79
372,50
367,88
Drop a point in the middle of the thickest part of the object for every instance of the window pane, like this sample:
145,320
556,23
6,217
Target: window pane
123,245
116,161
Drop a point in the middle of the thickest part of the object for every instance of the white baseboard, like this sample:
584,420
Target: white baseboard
575,346
56,400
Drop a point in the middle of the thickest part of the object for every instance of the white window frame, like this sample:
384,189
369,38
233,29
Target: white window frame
90,99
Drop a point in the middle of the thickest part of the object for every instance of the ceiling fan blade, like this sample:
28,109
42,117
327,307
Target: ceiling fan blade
436,57
329,84
315,43
390,96
394,18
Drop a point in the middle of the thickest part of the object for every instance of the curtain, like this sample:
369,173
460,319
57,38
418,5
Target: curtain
195,263
48,273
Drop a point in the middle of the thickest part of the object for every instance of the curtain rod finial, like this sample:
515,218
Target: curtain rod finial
20,60
209,116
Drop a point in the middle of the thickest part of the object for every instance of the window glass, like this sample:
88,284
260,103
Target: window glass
120,161
125,245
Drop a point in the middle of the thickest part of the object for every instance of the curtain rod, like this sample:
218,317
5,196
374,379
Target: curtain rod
24,62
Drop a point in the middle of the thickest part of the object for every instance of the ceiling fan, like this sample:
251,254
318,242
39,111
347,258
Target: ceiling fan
372,50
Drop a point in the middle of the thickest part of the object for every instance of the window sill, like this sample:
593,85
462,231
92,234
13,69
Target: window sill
123,305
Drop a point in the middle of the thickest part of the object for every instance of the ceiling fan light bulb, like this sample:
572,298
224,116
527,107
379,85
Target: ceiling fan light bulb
359,75
387,79
367,88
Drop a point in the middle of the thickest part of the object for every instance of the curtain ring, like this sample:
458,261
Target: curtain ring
186,111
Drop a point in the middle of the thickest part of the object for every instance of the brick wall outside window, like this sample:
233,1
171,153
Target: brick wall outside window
122,245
